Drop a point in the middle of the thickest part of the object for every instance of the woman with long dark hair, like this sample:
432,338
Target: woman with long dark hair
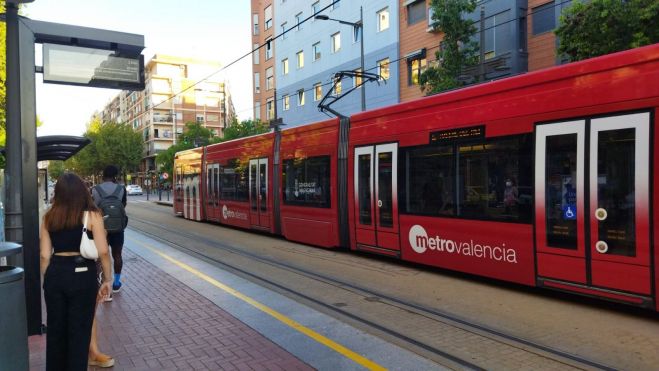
70,281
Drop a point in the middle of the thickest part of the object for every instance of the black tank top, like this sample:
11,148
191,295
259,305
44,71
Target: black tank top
68,240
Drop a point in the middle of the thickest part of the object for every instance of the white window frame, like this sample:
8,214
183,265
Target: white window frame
315,51
267,20
379,63
256,54
380,28
284,66
269,44
336,42
257,82
284,34
269,78
317,92
286,102
298,19
299,56
300,97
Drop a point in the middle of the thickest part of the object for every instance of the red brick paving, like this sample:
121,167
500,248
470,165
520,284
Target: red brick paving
158,323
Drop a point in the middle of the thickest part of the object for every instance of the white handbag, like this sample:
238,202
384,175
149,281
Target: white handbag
87,248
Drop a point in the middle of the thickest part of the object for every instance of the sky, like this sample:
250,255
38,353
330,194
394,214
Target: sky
207,29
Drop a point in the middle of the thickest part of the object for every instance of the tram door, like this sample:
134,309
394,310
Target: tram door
592,214
376,201
212,191
258,193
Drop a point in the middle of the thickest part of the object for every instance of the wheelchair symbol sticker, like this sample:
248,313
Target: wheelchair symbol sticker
569,212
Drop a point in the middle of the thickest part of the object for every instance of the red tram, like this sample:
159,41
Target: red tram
543,179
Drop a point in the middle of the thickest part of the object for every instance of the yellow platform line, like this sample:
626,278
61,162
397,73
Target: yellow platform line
357,358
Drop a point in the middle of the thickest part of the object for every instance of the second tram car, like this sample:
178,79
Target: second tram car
542,179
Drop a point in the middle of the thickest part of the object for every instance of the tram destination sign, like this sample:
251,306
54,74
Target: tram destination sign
471,132
74,65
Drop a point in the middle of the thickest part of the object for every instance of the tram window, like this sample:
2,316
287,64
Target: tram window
233,181
307,182
429,181
492,181
495,179
561,178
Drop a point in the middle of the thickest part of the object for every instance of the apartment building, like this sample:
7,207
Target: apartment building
161,110
399,43
313,50
263,59
504,51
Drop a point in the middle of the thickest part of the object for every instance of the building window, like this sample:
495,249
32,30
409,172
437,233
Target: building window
256,53
383,19
268,49
357,80
298,20
268,17
257,111
200,118
257,82
317,92
336,42
284,67
269,78
414,69
307,181
337,87
544,18
431,22
300,59
316,51
300,97
383,69
155,133
498,37
416,12
286,103
335,4
315,8
284,35
255,22
269,109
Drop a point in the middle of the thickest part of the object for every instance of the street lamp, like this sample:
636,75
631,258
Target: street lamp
356,25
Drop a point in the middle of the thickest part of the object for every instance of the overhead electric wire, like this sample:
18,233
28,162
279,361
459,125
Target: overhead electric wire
280,35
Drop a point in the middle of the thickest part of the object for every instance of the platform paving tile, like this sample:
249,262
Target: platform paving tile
158,323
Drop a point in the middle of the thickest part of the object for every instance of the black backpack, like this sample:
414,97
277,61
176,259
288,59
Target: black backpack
114,214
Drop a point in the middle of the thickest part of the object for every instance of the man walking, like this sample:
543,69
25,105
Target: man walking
110,197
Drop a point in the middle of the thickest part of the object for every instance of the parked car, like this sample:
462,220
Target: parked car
133,189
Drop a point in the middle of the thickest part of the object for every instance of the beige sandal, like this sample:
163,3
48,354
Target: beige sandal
101,360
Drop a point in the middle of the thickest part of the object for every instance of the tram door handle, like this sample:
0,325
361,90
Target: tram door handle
379,203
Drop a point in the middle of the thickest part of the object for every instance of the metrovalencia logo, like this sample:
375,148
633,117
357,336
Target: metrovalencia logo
421,243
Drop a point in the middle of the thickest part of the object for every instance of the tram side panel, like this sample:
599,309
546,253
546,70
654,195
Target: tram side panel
239,188
655,204
466,171
309,184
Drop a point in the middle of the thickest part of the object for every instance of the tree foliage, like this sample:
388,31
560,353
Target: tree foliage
111,144
243,129
598,27
196,135
458,48
55,169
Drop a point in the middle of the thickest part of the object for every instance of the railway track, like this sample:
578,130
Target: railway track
358,303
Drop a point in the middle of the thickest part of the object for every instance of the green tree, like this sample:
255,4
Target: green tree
598,27
458,48
243,129
55,169
111,144
194,135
